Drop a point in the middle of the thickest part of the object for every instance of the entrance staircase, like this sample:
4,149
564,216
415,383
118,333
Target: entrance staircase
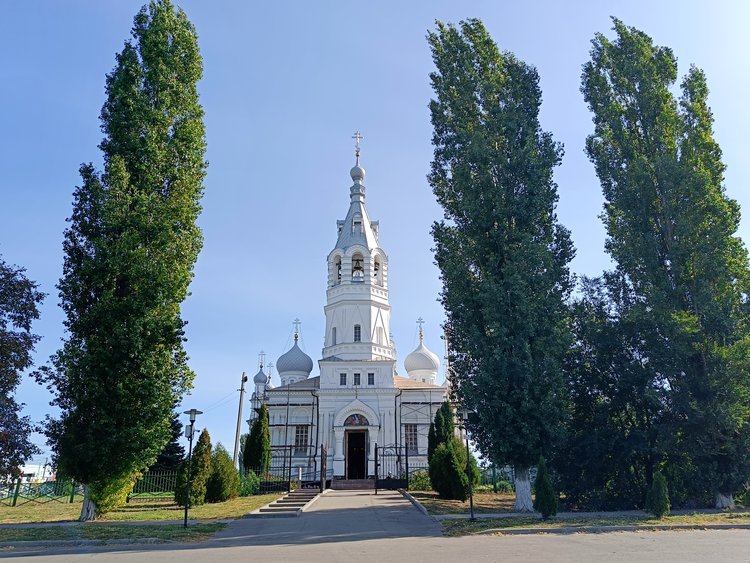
290,505
353,484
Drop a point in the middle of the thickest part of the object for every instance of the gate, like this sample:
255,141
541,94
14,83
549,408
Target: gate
278,477
391,467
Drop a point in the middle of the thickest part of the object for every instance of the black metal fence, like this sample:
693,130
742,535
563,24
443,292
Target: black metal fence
154,485
17,493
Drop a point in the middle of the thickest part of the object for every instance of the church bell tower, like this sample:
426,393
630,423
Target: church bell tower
357,310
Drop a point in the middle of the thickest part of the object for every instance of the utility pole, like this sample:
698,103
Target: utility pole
239,420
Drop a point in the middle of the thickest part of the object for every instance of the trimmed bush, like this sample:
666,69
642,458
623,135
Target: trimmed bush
224,482
113,493
545,500
657,499
420,481
249,484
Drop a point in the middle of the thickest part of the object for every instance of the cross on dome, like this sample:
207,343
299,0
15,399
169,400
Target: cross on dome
420,322
261,359
296,324
357,138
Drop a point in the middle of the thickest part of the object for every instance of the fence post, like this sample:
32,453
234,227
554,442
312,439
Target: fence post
15,493
407,466
289,483
376,468
72,491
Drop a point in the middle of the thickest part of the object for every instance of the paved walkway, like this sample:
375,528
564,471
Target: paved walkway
336,516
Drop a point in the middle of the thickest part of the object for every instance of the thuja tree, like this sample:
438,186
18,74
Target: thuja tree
672,233
502,254
173,453
129,256
257,454
19,300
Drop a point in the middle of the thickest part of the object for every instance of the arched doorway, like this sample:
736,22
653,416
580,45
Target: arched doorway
356,446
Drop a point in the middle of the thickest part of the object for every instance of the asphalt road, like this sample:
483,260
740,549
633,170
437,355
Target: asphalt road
353,526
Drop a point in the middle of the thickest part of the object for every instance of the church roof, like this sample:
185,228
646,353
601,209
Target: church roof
361,233
310,383
403,383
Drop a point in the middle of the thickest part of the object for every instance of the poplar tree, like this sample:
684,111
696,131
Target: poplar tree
19,300
129,255
671,229
502,254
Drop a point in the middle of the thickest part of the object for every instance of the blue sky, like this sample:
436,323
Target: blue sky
285,85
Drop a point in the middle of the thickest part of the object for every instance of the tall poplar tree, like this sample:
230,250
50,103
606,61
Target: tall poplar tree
672,233
502,254
129,256
19,300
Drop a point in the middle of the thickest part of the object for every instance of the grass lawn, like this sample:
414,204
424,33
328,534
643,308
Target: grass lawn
94,531
484,502
134,511
466,527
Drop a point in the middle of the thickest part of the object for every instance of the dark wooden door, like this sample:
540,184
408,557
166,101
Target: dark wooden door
356,458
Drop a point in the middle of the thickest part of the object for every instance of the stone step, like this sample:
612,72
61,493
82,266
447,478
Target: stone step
353,484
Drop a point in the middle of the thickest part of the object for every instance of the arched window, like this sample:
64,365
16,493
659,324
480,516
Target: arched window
333,336
337,267
357,333
358,268
376,273
356,420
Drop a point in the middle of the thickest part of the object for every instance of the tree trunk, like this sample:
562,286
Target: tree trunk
524,503
88,510
724,500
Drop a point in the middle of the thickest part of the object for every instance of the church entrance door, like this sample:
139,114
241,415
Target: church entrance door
356,454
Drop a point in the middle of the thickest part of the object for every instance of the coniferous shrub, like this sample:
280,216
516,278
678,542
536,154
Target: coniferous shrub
200,471
420,481
224,482
545,501
657,499
257,455
431,441
447,475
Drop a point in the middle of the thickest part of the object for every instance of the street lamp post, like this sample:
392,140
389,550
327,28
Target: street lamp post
464,412
192,413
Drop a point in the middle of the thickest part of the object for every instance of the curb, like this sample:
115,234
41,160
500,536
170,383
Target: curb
605,529
417,504
75,543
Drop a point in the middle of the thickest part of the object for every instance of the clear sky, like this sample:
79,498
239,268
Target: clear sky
285,85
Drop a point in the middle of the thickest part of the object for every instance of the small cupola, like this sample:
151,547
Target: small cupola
294,365
422,364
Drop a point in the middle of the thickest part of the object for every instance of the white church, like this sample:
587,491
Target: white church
333,421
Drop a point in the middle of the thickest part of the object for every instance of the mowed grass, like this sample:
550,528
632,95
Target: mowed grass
96,531
466,527
133,511
484,503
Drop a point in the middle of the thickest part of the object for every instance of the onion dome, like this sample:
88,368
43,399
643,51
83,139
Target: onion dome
295,362
260,378
358,174
422,364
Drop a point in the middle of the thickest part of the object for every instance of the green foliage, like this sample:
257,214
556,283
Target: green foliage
241,452
447,473
173,453
180,484
431,441
502,254
545,501
444,427
257,455
420,481
112,493
19,299
670,352
224,482
657,500
200,469
249,484
129,250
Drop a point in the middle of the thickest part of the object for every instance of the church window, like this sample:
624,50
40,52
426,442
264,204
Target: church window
342,379
370,379
358,268
300,440
357,224
337,266
356,379
410,437
333,336
376,275
357,333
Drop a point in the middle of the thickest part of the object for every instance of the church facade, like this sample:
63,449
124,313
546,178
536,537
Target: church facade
357,401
